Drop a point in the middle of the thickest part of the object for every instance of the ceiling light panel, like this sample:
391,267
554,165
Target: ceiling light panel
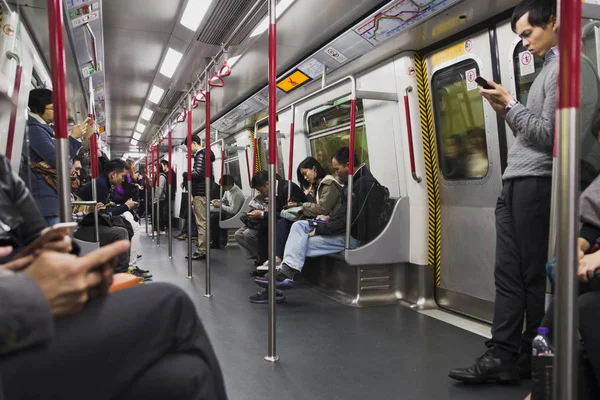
140,127
156,94
137,136
194,13
170,63
147,114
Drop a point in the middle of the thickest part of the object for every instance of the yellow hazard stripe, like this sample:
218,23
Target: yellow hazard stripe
431,167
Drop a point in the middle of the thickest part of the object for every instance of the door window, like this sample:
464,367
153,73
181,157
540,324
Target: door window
460,127
525,76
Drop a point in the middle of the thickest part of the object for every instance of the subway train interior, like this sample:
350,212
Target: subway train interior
386,320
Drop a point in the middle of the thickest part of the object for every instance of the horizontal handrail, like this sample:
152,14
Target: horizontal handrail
84,203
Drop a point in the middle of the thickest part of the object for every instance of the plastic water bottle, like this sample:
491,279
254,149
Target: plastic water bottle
541,366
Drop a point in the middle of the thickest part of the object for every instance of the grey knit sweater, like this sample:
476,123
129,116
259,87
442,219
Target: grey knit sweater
531,154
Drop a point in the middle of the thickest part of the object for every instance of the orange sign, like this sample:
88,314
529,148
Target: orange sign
293,81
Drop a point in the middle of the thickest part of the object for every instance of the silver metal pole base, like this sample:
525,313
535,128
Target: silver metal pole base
208,296
272,359
189,277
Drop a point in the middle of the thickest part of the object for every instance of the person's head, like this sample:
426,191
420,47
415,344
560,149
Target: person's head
164,166
40,103
535,22
115,170
476,138
196,143
455,147
260,182
227,182
310,172
130,167
341,161
76,166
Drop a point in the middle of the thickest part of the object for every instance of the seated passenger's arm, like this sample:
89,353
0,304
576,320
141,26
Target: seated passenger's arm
327,201
25,318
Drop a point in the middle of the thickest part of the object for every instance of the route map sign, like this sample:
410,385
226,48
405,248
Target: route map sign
399,16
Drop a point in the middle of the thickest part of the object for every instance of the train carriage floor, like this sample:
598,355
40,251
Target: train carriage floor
327,350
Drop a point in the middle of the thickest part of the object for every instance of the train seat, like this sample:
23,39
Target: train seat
235,222
371,275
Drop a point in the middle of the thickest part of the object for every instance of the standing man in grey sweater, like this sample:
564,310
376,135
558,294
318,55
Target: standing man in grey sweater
523,208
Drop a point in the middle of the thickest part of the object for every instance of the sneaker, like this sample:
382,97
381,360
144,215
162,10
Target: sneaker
263,297
180,236
144,276
197,256
256,273
139,256
487,368
265,267
281,281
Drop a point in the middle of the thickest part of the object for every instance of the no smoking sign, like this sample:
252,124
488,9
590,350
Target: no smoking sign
526,64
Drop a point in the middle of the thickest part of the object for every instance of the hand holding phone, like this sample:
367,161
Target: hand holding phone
46,240
483,83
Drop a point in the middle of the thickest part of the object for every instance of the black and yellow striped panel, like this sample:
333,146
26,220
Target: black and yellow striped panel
431,167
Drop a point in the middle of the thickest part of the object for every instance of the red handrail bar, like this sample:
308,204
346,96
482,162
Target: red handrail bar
15,99
94,151
411,148
248,167
170,157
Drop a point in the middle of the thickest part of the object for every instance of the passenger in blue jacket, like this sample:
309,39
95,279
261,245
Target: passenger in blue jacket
42,153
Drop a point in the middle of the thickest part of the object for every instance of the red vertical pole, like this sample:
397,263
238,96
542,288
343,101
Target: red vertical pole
208,183
170,157
13,113
248,167
59,99
189,185
291,158
567,204
207,171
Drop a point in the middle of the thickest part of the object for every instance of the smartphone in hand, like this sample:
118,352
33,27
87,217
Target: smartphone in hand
55,233
483,83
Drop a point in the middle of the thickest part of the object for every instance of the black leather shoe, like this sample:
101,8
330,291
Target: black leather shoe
486,369
523,363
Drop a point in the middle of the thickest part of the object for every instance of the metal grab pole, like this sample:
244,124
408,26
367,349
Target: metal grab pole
152,183
208,189
221,184
15,99
189,185
170,195
59,99
248,167
95,173
158,173
291,159
272,349
146,187
350,169
567,117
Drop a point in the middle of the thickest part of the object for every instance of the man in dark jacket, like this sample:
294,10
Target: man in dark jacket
199,192
260,182
326,235
41,167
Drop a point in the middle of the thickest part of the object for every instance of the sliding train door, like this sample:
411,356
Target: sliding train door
469,171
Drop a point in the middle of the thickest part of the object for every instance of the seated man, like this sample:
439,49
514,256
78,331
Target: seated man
247,236
260,182
55,313
327,236
112,176
230,204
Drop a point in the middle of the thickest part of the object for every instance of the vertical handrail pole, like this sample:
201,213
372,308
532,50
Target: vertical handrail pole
291,157
411,148
59,99
208,189
146,193
567,116
170,194
95,174
272,349
248,167
350,168
158,172
221,183
15,99
189,184
152,184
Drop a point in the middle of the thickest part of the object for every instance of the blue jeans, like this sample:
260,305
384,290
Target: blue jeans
299,245
52,220
194,228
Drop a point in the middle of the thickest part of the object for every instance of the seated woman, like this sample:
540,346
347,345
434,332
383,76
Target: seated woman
327,198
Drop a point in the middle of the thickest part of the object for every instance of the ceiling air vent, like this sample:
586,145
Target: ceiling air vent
227,13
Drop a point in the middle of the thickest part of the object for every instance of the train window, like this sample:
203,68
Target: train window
590,46
460,127
329,129
524,78
334,116
232,167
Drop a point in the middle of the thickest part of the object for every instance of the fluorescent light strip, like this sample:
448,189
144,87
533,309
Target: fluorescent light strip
147,114
137,136
140,127
171,62
194,13
156,94
264,24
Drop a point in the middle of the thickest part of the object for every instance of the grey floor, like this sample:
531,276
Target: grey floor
326,350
